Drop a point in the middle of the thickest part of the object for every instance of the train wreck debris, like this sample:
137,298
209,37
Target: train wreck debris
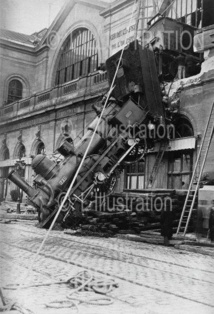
143,112
136,102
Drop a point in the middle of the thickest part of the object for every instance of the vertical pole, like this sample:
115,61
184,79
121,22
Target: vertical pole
181,8
2,297
6,188
186,12
137,20
191,11
176,9
196,16
202,12
141,22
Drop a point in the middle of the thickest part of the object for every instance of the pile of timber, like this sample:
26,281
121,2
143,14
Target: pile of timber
134,213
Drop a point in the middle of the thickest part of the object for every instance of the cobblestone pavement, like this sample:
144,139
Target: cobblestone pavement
152,279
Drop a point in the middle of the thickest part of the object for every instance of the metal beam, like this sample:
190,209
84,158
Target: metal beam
164,6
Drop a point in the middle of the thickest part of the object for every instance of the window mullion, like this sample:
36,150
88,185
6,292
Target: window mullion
79,56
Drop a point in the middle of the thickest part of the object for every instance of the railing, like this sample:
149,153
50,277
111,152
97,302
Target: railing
99,78
78,88
70,88
43,97
8,109
24,104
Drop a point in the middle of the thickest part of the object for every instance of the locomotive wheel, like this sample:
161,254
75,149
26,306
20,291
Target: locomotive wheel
101,191
137,153
67,204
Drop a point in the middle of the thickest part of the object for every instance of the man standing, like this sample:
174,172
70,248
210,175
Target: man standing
211,222
167,218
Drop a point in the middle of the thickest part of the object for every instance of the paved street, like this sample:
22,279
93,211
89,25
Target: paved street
151,279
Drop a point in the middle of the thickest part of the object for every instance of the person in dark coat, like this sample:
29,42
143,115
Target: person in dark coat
199,224
167,218
211,222
180,59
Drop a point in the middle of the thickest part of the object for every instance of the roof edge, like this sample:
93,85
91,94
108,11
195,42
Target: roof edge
115,6
65,10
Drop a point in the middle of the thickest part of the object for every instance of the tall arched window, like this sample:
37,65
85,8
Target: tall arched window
21,151
78,57
4,155
15,89
40,148
183,127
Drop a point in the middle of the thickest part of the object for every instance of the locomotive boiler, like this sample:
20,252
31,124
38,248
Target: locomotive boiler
119,138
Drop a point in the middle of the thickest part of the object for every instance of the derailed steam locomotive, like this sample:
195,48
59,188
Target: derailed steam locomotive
135,101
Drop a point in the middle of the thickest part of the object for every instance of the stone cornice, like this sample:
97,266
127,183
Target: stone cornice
60,96
116,6
33,62
24,49
52,112
16,45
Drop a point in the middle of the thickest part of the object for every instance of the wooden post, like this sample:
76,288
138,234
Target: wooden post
2,297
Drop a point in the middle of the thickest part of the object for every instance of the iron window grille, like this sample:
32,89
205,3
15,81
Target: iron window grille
135,176
79,56
15,89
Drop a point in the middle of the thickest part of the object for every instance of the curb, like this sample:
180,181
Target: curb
177,244
157,241
200,244
18,216
196,249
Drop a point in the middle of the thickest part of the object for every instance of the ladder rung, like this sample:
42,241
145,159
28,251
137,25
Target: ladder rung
209,132
201,158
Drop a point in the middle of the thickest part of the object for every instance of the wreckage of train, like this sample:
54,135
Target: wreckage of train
152,126
118,134
137,114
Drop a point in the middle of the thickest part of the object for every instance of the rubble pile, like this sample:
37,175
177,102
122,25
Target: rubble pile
134,216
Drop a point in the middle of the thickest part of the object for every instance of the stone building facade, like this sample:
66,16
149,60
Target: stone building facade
51,79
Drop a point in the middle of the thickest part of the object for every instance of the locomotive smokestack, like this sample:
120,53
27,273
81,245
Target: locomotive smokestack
22,184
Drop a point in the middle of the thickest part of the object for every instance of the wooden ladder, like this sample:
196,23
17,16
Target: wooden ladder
192,193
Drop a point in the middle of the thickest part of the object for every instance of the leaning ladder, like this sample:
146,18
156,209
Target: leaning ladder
157,163
191,194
